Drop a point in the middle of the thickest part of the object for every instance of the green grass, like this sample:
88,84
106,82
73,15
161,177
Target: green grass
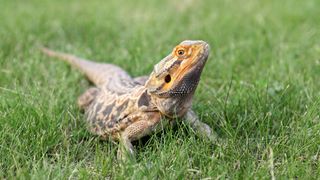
260,88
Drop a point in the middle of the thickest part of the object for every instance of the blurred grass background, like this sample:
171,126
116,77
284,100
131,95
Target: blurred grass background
259,89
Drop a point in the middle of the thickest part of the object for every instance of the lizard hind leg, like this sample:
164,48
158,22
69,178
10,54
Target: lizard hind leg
87,97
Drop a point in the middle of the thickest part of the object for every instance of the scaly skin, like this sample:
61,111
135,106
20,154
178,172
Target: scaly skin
125,109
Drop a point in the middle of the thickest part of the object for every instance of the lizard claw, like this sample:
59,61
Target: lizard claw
206,132
124,155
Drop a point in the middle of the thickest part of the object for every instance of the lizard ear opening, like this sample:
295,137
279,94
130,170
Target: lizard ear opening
167,79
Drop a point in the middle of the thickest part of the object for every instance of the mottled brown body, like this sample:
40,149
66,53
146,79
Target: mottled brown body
125,109
111,113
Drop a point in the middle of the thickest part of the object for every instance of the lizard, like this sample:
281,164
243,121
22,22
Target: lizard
124,109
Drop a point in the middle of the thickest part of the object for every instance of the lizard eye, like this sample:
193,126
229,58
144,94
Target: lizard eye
180,52
167,79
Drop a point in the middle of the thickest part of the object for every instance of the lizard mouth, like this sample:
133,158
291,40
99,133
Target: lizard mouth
190,80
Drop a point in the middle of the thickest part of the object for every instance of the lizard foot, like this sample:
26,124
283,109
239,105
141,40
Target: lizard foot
125,150
202,129
205,131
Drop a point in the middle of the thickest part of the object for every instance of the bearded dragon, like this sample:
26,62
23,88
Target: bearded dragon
124,109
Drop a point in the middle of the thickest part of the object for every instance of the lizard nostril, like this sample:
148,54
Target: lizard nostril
167,79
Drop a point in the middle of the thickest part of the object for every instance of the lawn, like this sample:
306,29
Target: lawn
260,89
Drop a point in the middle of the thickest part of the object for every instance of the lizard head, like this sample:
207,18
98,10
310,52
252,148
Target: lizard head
175,78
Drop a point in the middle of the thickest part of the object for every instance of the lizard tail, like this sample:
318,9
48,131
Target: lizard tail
71,59
90,69
98,73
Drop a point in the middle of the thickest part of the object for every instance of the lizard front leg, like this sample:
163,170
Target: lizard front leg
199,127
145,126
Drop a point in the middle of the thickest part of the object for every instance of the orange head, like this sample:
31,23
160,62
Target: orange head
176,77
